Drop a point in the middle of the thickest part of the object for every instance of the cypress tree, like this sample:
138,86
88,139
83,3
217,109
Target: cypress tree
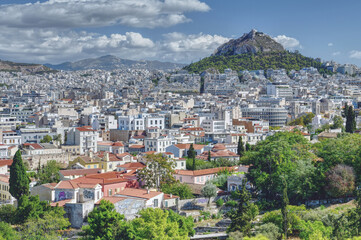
19,180
240,147
248,147
191,153
209,156
350,120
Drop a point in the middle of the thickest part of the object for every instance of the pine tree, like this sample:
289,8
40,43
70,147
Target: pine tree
240,147
284,210
19,180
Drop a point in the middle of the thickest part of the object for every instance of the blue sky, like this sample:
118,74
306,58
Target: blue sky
173,30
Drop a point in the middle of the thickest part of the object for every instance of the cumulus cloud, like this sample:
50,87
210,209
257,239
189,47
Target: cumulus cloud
330,44
96,13
287,42
42,45
355,54
336,53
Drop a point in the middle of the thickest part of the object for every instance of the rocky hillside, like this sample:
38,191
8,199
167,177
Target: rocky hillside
254,51
23,67
110,62
252,42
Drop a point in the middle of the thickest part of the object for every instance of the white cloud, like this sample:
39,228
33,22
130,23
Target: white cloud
336,53
355,54
330,44
95,13
44,45
287,42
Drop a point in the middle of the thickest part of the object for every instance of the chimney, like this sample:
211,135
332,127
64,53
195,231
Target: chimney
171,195
147,191
107,157
91,155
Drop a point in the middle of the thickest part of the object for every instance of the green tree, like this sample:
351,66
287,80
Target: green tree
158,171
191,153
46,139
242,217
248,147
104,222
7,212
209,190
154,223
350,120
7,232
240,147
178,189
337,122
284,210
19,180
46,227
49,173
274,157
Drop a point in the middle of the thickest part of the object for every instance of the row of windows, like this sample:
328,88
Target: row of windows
4,187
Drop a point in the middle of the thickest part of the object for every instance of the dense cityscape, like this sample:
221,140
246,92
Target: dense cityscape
254,141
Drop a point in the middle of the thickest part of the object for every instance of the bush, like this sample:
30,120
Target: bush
231,203
314,230
219,202
206,215
7,213
270,230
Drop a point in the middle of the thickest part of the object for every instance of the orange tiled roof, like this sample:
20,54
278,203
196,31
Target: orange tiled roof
139,193
187,146
203,171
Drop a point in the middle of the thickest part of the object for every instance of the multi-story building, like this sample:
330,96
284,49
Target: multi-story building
157,144
84,137
276,116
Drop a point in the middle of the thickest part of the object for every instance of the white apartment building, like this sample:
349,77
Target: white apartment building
157,144
214,126
84,137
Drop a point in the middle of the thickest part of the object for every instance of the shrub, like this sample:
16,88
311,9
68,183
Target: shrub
231,203
219,202
270,230
206,215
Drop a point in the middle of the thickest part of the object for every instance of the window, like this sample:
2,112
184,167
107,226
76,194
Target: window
110,192
180,179
182,164
155,203
166,203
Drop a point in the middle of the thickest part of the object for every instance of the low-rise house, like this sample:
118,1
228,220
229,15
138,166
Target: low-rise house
180,150
217,152
76,173
5,165
153,199
113,147
199,176
5,196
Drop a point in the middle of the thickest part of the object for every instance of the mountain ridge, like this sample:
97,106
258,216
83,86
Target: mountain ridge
111,62
27,68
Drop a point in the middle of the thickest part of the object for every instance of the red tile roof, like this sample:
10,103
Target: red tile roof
79,172
139,193
112,199
6,162
85,129
187,146
203,171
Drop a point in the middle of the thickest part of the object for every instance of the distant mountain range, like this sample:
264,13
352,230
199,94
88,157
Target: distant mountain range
254,51
23,67
111,62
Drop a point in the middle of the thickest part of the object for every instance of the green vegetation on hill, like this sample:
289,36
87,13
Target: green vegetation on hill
275,60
